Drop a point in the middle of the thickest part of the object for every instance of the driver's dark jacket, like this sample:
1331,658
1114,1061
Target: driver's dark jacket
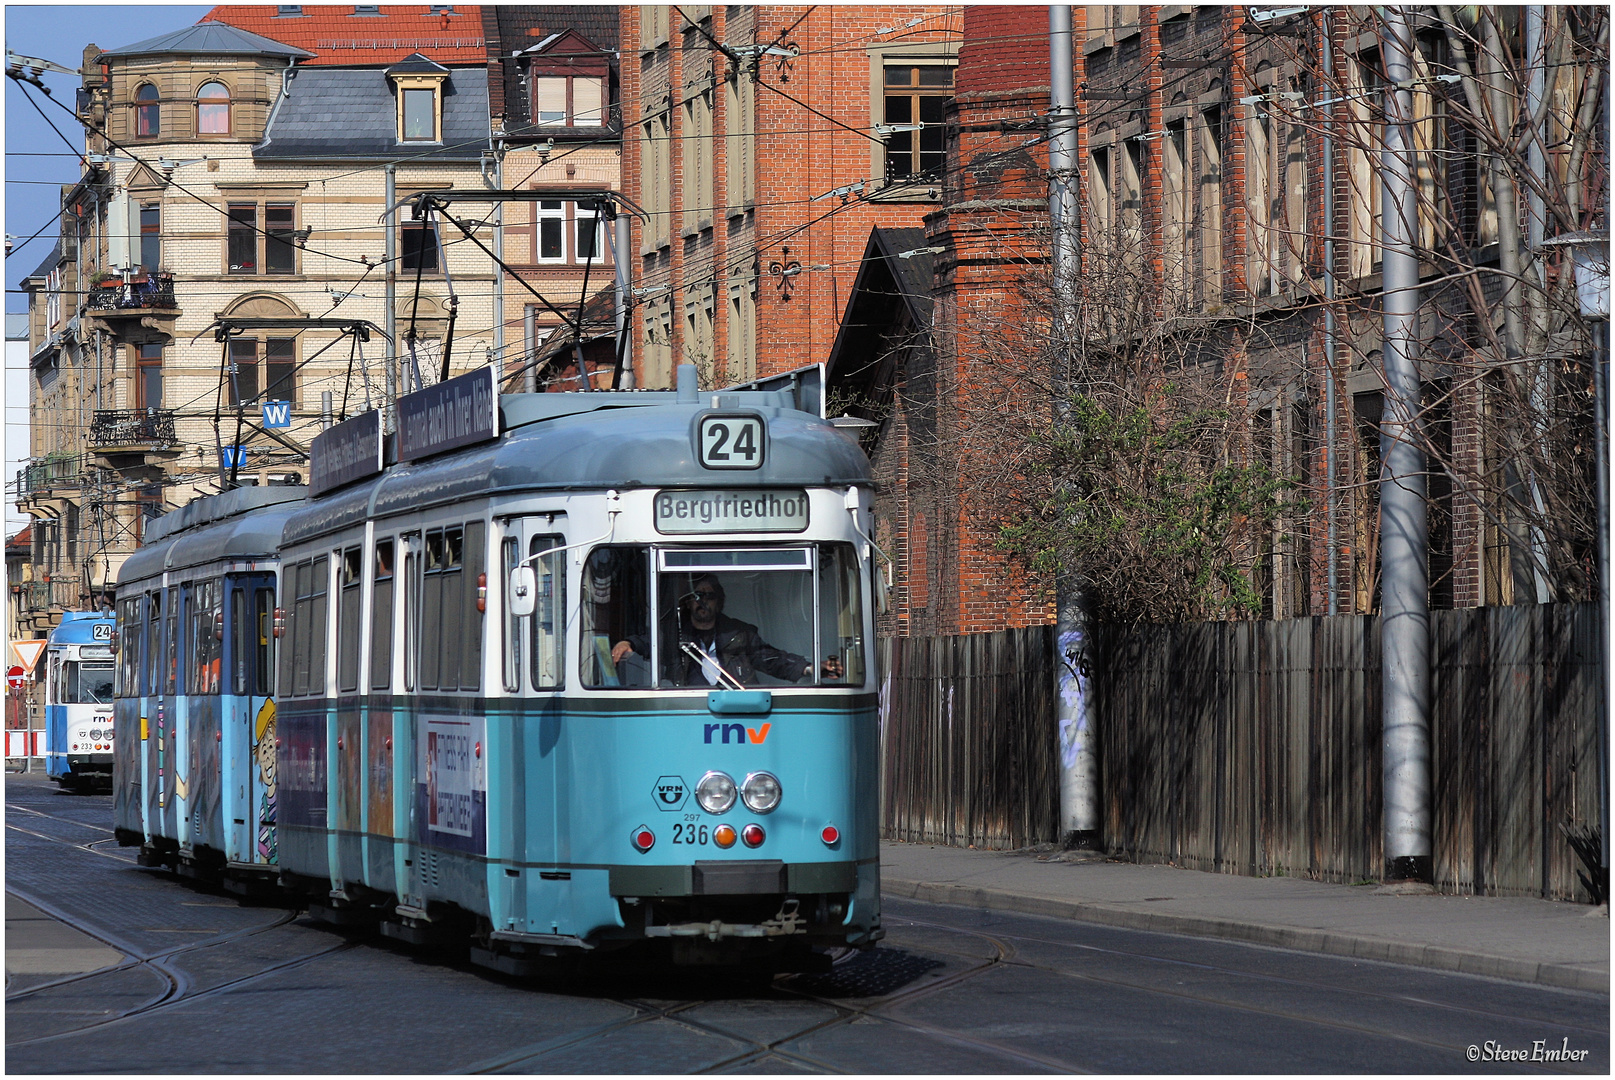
741,651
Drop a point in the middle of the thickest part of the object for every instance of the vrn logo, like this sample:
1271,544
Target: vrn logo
739,732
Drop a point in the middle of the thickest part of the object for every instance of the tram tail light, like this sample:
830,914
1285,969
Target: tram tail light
724,836
114,640
643,839
753,835
279,622
482,592
830,835
218,626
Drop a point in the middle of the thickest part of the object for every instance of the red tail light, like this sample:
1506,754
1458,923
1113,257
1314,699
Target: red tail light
280,622
753,835
831,835
643,838
482,592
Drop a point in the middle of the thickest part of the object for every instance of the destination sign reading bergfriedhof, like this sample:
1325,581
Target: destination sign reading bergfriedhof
731,511
347,452
460,412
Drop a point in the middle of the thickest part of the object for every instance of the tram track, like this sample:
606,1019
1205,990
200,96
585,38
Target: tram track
177,984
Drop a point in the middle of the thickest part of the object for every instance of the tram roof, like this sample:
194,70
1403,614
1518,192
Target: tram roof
625,441
75,628
242,524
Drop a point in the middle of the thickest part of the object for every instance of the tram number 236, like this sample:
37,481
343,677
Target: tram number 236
731,442
691,834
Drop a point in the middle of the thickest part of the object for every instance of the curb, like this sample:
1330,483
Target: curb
1562,976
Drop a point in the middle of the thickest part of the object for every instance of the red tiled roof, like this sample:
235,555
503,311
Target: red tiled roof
24,539
337,36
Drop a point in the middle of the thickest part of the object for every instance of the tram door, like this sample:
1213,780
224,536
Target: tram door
252,642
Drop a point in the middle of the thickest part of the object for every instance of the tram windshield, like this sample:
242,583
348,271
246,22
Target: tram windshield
85,683
725,618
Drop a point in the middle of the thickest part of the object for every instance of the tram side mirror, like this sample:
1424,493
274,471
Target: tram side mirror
523,591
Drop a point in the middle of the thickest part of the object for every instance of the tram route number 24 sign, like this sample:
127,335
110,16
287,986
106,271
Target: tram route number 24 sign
731,441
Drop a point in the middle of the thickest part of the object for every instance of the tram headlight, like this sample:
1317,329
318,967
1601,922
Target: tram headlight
761,791
95,736
715,792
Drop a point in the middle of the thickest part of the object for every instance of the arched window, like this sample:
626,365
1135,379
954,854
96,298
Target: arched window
148,123
213,109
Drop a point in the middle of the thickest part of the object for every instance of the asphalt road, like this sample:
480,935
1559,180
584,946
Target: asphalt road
209,985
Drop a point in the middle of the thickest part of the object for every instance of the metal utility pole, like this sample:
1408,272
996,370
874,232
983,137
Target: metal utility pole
390,316
1405,601
1079,771
621,235
1330,406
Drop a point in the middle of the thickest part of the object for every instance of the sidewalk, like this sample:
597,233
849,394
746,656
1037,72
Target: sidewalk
37,944
1536,941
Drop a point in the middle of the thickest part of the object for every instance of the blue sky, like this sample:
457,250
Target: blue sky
37,160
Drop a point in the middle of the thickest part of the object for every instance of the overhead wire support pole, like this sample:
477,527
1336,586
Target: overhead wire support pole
1405,601
1079,772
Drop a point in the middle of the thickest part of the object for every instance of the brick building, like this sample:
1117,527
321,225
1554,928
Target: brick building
764,143
1203,177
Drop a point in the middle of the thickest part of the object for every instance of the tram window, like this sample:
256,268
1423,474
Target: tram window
549,614
241,651
129,641
509,554
152,683
412,611
171,628
205,644
381,618
318,575
288,643
841,614
745,612
347,644
437,570
615,608
475,560
84,683
263,655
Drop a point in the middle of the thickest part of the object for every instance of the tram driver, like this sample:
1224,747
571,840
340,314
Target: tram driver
722,642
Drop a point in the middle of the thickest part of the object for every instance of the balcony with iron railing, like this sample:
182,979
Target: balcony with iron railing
154,292
45,475
131,429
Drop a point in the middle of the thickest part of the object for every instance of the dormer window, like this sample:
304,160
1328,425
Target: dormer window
213,109
418,83
148,119
568,100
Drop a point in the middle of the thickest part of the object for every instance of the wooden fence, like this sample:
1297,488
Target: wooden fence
1254,748
969,749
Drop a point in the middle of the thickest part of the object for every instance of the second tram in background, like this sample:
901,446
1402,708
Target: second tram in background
78,700
572,672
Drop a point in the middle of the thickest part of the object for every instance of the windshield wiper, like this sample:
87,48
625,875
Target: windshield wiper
692,649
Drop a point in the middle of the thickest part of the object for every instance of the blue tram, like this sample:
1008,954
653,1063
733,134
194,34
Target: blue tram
78,700
194,769
567,672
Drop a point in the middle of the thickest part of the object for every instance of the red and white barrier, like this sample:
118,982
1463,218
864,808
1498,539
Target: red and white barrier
22,744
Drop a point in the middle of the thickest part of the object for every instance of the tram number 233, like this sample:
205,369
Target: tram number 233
731,442
691,834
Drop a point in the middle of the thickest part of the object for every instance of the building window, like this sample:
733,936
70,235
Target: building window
367,9
566,232
242,238
288,11
1211,204
441,9
280,250
151,238
213,109
420,115
1175,212
279,370
569,101
418,247
916,94
278,237
1099,199
148,117
149,381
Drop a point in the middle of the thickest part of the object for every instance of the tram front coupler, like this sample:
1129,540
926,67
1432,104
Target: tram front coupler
788,922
